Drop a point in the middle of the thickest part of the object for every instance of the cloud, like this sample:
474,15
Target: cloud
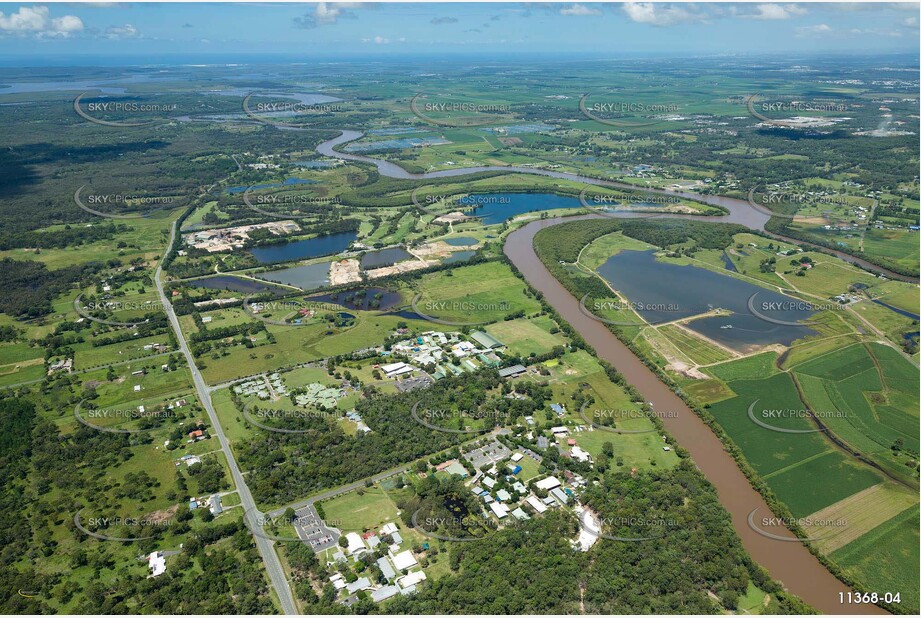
579,9
37,21
126,31
379,40
187,26
327,13
777,11
910,22
443,20
813,30
659,14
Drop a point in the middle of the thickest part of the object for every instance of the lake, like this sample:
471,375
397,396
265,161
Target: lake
304,249
237,284
670,291
493,208
308,277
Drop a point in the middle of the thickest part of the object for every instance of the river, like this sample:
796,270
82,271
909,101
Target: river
740,211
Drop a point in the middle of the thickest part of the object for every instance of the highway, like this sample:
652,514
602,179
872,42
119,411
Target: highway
272,563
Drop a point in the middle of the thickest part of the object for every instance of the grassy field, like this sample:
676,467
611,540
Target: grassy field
752,367
699,350
886,558
526,337
479,293
873,392
360,510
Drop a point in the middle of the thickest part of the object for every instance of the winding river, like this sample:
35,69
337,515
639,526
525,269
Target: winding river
740,211
789,562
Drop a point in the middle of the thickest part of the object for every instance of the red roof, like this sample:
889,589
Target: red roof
196,434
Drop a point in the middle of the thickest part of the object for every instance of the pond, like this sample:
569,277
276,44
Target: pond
384,257
372,298
459,256
304,249
667,292
461,241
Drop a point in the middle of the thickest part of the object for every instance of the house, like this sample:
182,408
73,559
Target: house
384,565
514,469
157,563
520,514
559,431
215,505
382,594
499,509
517,457
560,410
489,482
578,454
503,495
396,538
195,435
536,504
388,528
411,579
560,495
404,560
362,583
551,482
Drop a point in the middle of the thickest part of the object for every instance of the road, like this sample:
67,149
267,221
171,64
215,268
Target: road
266,547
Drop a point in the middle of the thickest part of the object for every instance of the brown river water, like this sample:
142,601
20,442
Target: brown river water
787,561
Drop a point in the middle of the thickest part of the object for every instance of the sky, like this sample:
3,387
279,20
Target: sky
123,31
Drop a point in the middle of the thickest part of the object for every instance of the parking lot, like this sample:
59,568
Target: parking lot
311,528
